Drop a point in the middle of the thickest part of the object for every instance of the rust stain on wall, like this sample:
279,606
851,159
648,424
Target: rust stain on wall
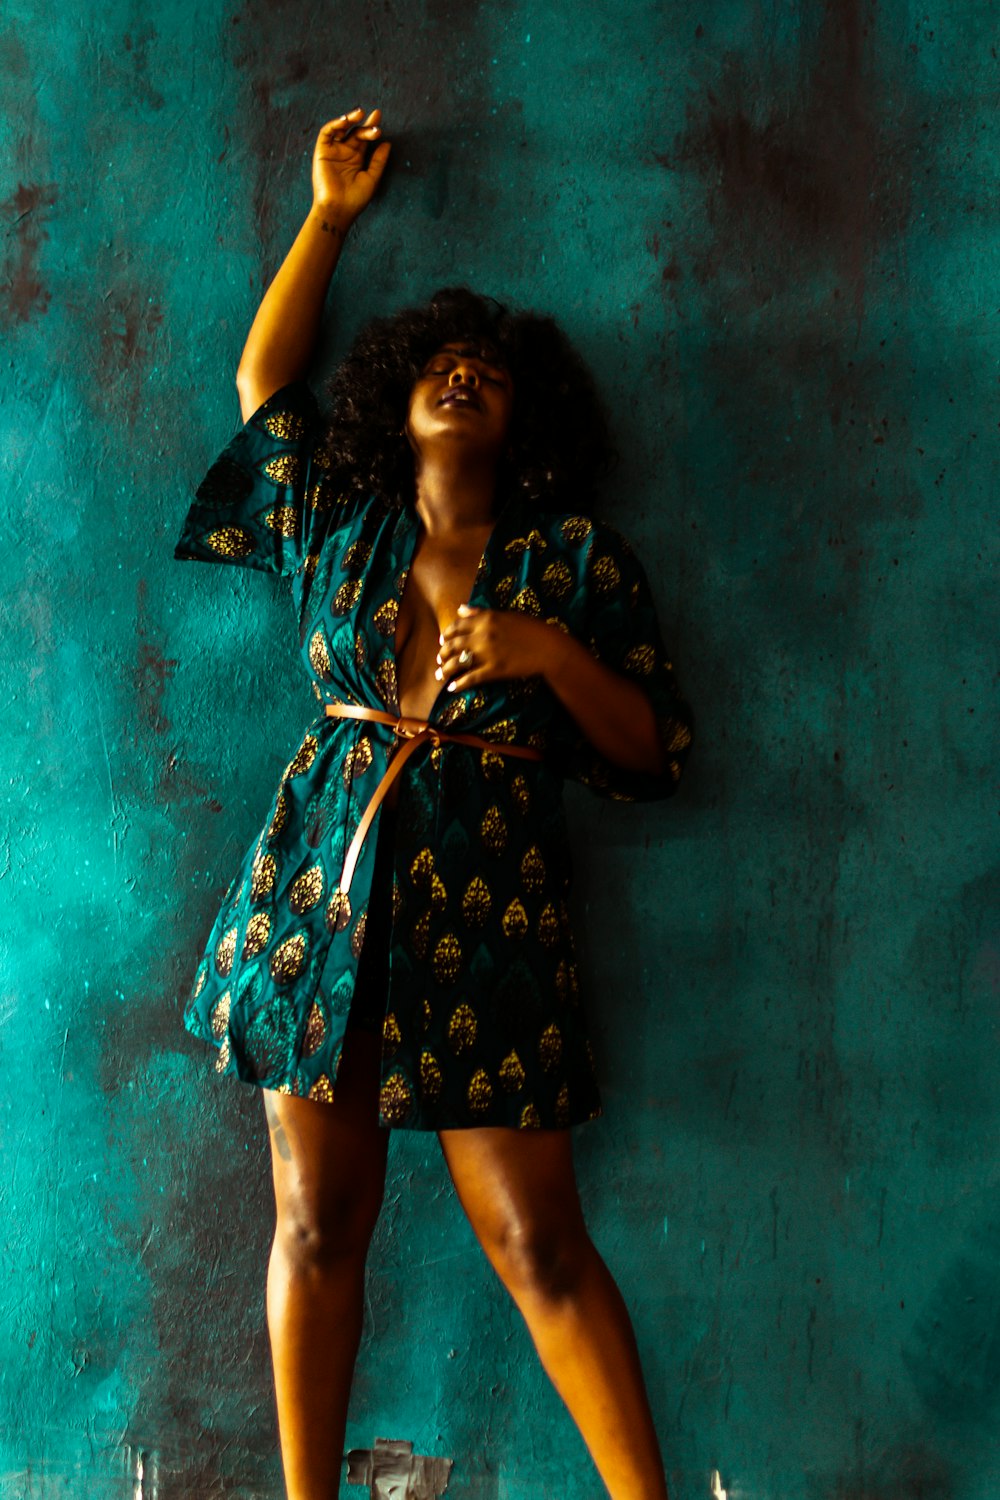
23,293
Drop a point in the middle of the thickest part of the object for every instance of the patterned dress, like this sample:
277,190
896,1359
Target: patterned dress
483,1022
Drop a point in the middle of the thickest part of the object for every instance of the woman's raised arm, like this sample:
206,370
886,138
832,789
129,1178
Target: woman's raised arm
283,332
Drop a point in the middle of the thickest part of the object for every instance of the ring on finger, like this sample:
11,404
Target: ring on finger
464,657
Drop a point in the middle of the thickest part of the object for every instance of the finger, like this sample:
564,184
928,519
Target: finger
379,158
467,680
449,665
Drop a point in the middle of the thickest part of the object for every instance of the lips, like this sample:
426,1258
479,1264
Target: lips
461,395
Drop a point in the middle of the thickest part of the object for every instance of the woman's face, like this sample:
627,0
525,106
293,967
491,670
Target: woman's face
462,396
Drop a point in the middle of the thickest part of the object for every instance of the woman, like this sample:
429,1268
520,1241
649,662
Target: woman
396,949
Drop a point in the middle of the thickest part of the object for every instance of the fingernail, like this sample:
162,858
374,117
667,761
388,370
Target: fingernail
440,640
452,686
439,674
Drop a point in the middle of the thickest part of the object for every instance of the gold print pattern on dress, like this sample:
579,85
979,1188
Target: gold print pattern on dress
512,1074
548,926
422,869
462,1029
515,920
397,899
576,528
384,618
426,1015
532,869
640,661
357,760
392,1035
284,518
521,795
288,959
258,932
309,566
358,935
283,469
606,575
493,830
550,1047
280,814
303,757
533,542
439,896
322,458
322,1090
220,1016
557,579
563,984
315,1032
355,558
346,596
360,649
525,601
262,877
319,656
222,1061
492,764
318,494
674,733
285,426
338,911
230,541
480,1092
385,684
225,953
503,589
447,959
501,731
476,902
562,1106
431,1077
199,983
395,1099
455,711
307,890
421,934
529,1118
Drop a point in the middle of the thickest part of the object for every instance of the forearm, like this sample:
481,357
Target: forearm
615,715
282,335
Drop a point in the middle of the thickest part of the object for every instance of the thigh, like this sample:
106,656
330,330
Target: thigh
514,1183
328,1159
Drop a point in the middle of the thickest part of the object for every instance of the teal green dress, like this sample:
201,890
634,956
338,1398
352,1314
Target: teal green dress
484,1023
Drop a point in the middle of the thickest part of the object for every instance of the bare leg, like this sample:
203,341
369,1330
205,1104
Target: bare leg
518,1190
329,1176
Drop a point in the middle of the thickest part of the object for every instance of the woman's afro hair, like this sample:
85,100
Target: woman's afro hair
559,446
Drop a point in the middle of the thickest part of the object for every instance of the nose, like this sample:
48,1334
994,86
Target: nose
464,375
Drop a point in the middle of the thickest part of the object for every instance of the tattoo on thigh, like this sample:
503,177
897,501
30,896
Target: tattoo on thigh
277,1130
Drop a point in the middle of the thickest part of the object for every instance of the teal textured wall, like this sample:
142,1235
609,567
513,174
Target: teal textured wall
772,229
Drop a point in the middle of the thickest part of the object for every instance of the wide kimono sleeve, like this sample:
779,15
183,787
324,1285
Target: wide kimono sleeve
621,628
261,504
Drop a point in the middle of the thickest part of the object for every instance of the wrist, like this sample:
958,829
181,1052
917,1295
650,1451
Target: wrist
330,219
557,648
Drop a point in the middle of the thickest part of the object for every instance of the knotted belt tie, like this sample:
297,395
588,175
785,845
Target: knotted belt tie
415,732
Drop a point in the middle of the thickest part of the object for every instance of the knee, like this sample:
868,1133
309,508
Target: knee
315,1236
545,1262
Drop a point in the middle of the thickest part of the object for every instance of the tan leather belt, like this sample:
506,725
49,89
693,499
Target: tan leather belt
415,732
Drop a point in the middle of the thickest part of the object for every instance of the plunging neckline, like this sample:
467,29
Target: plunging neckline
413,527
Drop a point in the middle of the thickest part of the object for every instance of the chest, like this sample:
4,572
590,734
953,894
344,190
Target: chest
440,578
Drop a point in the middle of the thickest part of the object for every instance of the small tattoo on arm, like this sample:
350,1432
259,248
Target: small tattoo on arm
331,228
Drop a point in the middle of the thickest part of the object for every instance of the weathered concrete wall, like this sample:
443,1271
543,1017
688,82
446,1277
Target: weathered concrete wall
772,228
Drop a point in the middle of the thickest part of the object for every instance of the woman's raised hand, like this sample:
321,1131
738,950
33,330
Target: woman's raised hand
342,184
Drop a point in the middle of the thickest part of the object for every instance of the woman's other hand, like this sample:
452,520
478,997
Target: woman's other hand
496,643
342,184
